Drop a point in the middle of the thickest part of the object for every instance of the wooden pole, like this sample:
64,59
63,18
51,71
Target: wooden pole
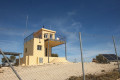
19,59
116,53
65,51
48,50
82,56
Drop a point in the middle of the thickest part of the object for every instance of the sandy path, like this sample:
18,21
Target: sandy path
54,71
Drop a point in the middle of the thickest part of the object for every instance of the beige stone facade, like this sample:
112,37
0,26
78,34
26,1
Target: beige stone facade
37,48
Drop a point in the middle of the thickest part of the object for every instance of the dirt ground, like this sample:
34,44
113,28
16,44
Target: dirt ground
112,75
59,71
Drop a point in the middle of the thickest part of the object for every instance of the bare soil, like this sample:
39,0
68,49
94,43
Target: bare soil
113,75
56,71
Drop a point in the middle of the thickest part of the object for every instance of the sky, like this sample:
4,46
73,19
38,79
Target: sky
97,20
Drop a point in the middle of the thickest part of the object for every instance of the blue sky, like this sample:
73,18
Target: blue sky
97,20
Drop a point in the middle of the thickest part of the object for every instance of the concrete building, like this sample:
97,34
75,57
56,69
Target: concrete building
38,48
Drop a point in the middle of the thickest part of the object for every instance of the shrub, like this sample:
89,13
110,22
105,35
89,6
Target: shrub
101,59
54,55
12,58
3,59
113,75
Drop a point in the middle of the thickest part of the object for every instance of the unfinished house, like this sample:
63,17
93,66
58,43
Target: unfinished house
38,48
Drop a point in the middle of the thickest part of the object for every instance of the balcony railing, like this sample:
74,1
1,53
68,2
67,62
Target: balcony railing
57,37
31,36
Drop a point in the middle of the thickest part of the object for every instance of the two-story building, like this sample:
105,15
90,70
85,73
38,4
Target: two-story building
38,48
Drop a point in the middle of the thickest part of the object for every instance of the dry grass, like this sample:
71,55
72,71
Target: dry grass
113,75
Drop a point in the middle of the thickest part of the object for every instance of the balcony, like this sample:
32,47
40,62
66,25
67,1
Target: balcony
53,42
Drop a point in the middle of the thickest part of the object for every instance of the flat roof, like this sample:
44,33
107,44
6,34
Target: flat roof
43,29
11,53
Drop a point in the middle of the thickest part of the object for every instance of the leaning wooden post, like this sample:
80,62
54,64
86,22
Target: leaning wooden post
48,50
116,53
65,51
10,65
82,56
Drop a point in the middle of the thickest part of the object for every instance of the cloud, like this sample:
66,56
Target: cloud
89,52
87,55
71,13
10,46
11,31
77,24
57,23
21,32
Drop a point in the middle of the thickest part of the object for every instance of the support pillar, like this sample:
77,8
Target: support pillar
65,51
48,50
19,59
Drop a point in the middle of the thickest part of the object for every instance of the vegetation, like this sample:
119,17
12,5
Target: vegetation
113,75
54,55
12,58
101,59
3,59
